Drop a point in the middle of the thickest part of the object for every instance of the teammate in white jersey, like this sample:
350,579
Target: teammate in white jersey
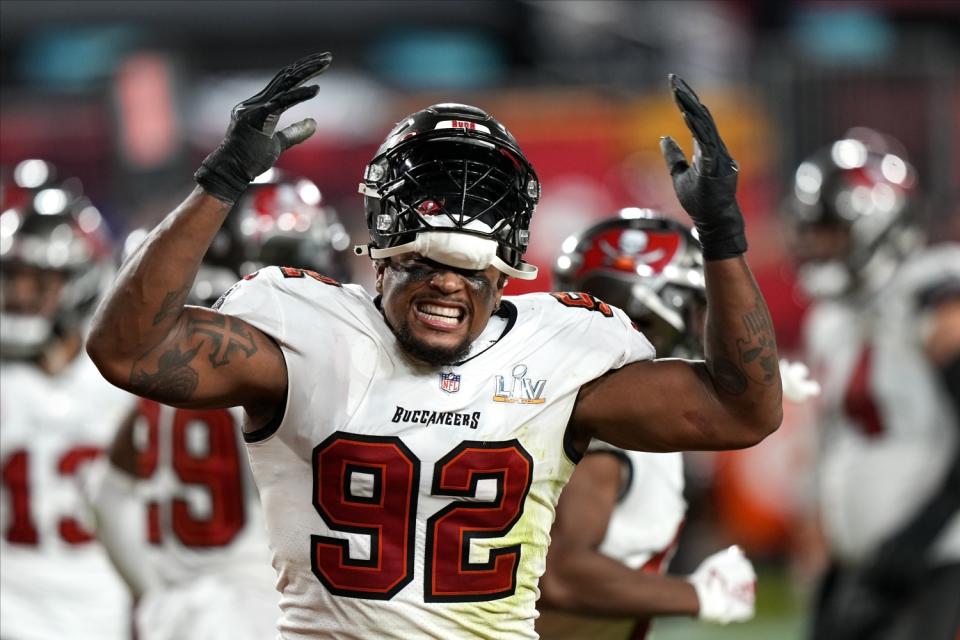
57,415
179,510
620,515
884,339
410,447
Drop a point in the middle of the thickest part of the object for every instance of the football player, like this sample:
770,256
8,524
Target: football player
178,508
410,447
57,416
883,337
619,517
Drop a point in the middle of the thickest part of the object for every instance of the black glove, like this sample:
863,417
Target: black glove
708,190
250,146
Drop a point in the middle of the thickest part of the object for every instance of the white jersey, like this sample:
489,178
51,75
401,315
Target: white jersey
206,539
642,534
889,429
55,579
405,501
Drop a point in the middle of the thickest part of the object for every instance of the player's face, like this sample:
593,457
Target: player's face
31,291
812,243
437,311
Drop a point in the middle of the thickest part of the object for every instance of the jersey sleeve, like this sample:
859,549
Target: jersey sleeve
254,300
285,302
320,328
924,283
591,323
636,346
934,277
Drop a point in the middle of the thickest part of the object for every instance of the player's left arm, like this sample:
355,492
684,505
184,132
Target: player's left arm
900,562
733,399
578,577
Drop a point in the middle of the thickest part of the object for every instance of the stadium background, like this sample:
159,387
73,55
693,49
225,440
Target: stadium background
129,96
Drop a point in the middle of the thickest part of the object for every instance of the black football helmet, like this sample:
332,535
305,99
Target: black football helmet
851,216
451,183
649,266
55,258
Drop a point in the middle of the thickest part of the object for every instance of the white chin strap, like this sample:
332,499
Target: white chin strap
460,250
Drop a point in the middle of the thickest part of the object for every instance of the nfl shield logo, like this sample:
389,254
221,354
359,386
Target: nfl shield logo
450,382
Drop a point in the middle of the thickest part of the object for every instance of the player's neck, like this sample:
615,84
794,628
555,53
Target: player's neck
56,357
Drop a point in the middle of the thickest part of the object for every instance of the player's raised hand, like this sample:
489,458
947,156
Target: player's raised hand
725,584
707,190
252,144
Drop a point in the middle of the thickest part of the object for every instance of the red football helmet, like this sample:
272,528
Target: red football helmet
649,266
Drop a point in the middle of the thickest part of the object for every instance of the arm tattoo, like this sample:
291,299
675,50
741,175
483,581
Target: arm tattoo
226,335
758,349
728,376
171,305
174,379
754,358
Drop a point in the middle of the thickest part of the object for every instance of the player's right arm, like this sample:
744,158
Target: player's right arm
143,338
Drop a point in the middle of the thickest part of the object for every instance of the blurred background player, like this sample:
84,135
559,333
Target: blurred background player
57,413
619,517
178,507
883,337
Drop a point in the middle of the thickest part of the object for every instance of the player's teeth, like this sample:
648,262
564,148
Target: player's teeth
442,319
440,311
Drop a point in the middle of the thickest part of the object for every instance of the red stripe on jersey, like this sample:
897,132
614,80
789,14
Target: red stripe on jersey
859,403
